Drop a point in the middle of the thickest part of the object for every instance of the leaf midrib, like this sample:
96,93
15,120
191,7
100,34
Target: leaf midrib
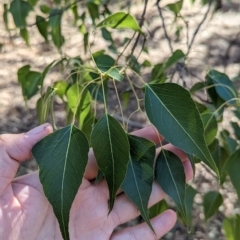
180,125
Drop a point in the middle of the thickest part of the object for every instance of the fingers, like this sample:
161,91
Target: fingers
19,146
148,132
124,210
162,224
15,148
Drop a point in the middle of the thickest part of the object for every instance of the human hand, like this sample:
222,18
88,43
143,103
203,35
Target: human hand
25,213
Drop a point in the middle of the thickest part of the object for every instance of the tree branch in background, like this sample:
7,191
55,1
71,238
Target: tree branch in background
199,26
164,26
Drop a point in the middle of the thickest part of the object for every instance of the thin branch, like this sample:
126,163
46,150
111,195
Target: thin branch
140,24
164,26
199,26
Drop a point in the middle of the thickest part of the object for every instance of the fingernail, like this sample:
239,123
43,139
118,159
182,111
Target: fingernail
38,129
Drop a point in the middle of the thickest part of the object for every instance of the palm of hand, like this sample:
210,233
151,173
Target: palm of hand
25,213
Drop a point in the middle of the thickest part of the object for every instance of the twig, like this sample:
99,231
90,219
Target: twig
198,27
164,26
140,24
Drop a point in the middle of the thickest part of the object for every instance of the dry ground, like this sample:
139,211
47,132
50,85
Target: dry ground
217,45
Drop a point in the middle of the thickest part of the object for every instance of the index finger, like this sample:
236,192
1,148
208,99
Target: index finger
147,132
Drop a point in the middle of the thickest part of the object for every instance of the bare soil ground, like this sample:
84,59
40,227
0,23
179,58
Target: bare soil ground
217,45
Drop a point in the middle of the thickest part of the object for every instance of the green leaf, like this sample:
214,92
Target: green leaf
24,35
172,111
43,105
211,202
20,10
45,9
210,126
169,172
105,63
93,11
55,23
120,20
111,149
29,80
175,7
232,167
32,2
224,86
230,144
196,87
176,57
231,227
157,72
107,35
88,124
79,101
62,157
97,91
190,194
5,16
158,208
236,129
42,26
60,88
137,184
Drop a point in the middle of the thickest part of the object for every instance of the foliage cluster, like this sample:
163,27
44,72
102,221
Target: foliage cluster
126,161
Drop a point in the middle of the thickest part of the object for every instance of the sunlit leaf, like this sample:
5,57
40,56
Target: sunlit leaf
137,184
24,34
20,10
231,227
175,7
120,20
62,157
169,172
111,149
172,111
60,88
211,202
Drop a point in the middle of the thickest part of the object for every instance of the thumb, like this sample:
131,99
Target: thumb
19,146
15,148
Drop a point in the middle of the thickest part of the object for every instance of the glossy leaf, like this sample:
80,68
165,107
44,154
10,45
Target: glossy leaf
158,208
62,157
224,86
29,80
55,24
211,202
210,126
137,184
120,20
232,167
175,7
231,227
111,149
20,10
172,111
42,26
169,172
